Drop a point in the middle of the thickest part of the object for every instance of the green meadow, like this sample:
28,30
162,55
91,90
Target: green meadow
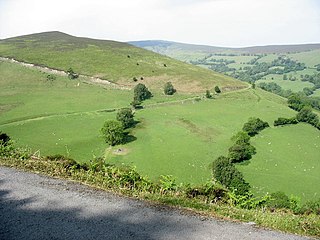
294,86
287,160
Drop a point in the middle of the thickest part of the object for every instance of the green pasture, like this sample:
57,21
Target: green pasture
288,160
310,58
294,86
184,139
26,93
268,58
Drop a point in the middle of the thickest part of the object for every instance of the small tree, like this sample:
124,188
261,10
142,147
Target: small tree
113,132
141,92
169,89
254,125
217,89
125,116
240,152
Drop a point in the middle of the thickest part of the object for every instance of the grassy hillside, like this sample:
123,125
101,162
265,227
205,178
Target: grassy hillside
113,61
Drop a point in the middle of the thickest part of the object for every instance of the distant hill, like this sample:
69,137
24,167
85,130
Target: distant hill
114,61
166,46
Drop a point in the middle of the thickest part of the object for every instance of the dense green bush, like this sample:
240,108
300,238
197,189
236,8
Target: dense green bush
4,138
125,116
225,172
240,152
113,132
217,89
284,121
254,126
141,92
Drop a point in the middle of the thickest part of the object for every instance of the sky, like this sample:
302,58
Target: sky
228,23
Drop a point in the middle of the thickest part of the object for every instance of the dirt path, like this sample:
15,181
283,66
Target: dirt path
38,207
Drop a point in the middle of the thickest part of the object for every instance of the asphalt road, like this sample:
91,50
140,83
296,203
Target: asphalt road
38,207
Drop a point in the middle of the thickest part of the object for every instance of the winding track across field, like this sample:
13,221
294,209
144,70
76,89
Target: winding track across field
38,207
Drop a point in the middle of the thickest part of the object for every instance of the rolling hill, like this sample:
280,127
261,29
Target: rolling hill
113,61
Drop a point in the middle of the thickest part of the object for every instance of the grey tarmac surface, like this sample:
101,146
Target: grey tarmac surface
37,207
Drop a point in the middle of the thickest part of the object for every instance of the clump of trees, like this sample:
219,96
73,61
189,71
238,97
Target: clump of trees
169,89
254,126
116,131
306,115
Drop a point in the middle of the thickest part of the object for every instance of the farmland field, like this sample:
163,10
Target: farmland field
287,160
294,86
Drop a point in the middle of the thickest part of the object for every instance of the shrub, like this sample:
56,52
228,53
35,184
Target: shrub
217,89
254,125
240,152
226,173
4,138
113,132
284,121
141,92
125,116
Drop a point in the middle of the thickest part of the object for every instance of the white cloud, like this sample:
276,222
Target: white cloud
214,22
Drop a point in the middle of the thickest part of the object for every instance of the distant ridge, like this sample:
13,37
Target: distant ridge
163,45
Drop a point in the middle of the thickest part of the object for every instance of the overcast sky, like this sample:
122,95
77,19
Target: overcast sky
231,23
